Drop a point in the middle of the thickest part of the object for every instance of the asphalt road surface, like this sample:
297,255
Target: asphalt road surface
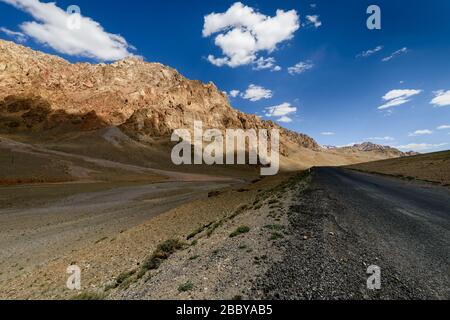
346,221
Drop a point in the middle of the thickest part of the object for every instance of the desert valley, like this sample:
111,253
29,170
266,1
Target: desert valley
86,179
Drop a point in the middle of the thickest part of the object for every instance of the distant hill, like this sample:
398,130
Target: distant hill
433,167
390,152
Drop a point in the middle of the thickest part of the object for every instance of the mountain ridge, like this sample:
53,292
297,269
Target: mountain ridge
127,93
147,101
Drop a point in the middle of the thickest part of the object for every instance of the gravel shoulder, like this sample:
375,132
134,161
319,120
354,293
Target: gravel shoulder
222,259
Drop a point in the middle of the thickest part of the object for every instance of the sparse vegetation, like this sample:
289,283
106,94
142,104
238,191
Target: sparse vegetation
258,206
213,227
274,227
125,279
162,252
198,231
276,236
188,286
170,246
240,210
239,231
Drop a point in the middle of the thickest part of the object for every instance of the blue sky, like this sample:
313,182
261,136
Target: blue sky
335,92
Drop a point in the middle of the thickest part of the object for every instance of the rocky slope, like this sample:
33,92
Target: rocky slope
147,100
388,151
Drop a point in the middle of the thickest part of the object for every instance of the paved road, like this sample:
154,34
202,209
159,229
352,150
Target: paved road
345,221
408,223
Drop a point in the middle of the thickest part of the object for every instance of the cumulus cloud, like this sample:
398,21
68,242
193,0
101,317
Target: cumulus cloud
421,146
18,36
266,63
395,54
441,99
285,119
256,93
300,68
369,52
313,20
51,28
398,97
327,133
243,33
282,112
234,93
443,127
420,133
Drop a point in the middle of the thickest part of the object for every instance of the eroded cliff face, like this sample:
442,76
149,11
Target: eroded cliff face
146,100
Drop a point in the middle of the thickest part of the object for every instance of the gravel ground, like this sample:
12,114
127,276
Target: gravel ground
217,265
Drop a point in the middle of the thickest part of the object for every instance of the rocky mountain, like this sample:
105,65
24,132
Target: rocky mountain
45,94
390,152
147,100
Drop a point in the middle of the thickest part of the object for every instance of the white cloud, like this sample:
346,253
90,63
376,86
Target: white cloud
285,119
300,68
441,99
281,111
396,54
234,93
51,28
266,63
244,32
327,133
398,97
18,36
314,20
400,93
256,93
370,52
443,127
219,62
421,146
313,5
420,133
